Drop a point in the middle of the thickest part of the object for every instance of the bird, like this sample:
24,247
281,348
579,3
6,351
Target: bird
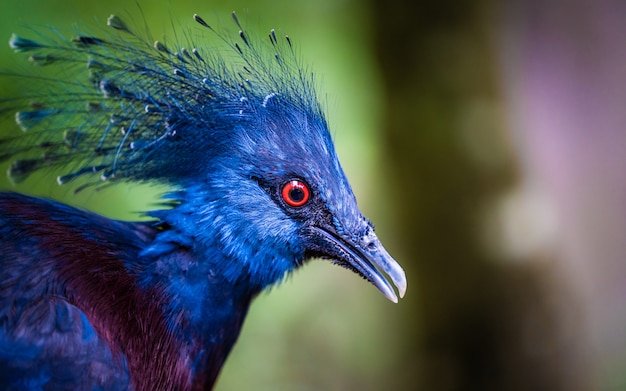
255,190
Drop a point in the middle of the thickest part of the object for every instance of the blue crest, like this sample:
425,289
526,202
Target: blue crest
142,111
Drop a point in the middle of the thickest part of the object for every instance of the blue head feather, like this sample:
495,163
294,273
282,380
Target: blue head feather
144,112
226,137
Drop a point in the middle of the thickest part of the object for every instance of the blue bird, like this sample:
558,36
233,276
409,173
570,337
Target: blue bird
92,303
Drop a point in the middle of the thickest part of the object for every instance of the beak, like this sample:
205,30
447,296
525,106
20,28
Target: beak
365,256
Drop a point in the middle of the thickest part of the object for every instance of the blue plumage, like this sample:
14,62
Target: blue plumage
93,303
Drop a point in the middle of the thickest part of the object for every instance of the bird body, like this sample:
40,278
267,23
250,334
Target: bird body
70,280
87,302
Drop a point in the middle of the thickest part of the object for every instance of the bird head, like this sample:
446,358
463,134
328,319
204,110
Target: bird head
247,149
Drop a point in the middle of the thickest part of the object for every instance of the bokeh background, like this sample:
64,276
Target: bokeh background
486,141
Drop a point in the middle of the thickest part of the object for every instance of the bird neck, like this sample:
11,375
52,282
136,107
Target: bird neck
203,311
207,279
208,262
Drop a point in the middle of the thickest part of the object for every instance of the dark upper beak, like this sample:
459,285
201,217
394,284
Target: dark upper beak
364,255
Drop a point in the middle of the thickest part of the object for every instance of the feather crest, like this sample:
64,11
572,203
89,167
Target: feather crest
129,109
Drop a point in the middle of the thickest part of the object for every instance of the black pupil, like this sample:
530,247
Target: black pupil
296,194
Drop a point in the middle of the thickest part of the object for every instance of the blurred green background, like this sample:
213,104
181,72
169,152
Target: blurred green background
484,139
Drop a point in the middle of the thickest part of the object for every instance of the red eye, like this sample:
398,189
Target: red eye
295,193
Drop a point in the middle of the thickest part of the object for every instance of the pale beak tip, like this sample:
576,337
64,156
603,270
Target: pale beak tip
401,285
